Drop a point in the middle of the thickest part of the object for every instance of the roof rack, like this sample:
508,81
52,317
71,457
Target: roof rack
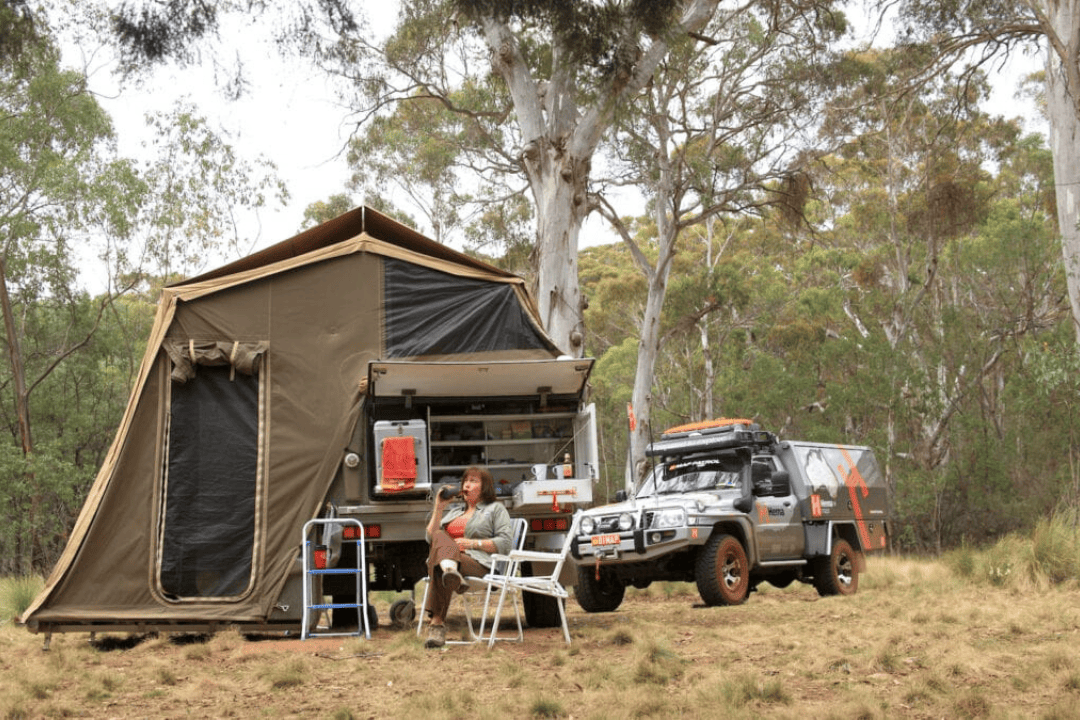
710,435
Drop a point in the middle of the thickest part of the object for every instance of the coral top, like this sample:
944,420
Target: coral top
456,527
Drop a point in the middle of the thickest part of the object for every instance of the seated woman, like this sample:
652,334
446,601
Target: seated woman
463,538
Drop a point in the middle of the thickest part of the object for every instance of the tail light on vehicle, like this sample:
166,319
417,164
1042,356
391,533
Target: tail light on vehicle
555,524
371,532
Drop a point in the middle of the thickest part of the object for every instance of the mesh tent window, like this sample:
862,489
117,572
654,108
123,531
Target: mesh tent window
210,494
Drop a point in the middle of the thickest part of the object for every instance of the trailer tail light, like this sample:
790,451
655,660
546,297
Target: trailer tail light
549,524
352,532
319,557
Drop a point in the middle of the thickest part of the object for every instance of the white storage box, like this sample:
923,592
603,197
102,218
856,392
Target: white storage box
551,494
401,465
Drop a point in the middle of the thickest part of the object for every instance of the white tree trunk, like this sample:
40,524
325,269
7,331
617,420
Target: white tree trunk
561,209
647,352
1063,108
559,139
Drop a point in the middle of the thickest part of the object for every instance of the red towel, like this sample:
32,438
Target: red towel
398,463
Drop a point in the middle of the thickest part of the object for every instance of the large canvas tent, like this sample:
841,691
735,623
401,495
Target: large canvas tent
252,381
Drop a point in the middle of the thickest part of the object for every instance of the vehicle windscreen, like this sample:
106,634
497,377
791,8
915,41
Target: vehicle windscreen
684,476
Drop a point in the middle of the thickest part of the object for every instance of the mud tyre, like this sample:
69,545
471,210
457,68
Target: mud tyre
603,595
722,571
837,574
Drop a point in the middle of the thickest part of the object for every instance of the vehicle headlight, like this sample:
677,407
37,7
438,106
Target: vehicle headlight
588,525
626,522
669,518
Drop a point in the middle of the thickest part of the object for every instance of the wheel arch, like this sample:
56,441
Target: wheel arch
741,531
847,531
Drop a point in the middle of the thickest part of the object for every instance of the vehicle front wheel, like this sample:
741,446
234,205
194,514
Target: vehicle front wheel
593,595
837,574
722,571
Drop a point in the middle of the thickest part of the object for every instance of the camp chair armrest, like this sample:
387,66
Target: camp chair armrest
534,556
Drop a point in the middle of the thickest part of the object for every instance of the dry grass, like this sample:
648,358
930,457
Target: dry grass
920,640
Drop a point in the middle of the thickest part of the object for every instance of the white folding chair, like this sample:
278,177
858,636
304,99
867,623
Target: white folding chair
477,585
544,584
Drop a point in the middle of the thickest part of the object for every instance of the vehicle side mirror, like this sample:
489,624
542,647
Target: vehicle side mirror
781,483
620,496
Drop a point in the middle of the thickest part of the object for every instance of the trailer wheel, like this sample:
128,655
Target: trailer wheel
722,571
402,613
837,574
541,611
603,595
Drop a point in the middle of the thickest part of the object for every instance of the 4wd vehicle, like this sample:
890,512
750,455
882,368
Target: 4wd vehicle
729,505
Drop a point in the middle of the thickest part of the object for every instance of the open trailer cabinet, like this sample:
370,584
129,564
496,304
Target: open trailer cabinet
423,424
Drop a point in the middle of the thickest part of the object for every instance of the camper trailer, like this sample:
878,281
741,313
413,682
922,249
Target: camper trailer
345,373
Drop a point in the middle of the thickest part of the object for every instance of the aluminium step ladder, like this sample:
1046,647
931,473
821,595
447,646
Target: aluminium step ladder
353,531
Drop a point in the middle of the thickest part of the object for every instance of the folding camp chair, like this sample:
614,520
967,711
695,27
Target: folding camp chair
544,584
477,585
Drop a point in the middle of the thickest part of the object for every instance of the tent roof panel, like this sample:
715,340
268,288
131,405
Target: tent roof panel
345,226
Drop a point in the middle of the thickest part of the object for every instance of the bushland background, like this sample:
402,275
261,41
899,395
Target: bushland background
888,273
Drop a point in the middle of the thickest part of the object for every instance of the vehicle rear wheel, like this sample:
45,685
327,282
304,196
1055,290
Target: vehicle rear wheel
837,574
593,595
722,571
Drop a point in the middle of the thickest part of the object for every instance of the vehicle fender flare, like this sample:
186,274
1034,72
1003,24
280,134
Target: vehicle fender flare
741,529
848,531
821,536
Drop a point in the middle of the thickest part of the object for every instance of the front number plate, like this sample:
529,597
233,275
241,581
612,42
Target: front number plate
606,539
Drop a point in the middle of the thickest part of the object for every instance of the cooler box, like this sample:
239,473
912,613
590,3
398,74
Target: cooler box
552,494
401,457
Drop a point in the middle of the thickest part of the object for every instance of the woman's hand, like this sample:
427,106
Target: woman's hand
468,543
436,514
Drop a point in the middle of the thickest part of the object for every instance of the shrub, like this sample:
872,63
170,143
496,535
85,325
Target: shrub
1055,550
16,594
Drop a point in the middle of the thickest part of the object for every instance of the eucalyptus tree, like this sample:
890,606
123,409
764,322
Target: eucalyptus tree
913,194
720,126
977,33
538,83
59,184
80,227
414,150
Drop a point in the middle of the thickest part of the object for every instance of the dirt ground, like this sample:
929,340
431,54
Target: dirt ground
917,650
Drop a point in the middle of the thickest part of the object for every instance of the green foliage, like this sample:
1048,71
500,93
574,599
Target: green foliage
16,594
593,33
320,211
198,185
1046,556
42,498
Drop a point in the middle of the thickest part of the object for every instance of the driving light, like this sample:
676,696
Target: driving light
626,522
587,525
